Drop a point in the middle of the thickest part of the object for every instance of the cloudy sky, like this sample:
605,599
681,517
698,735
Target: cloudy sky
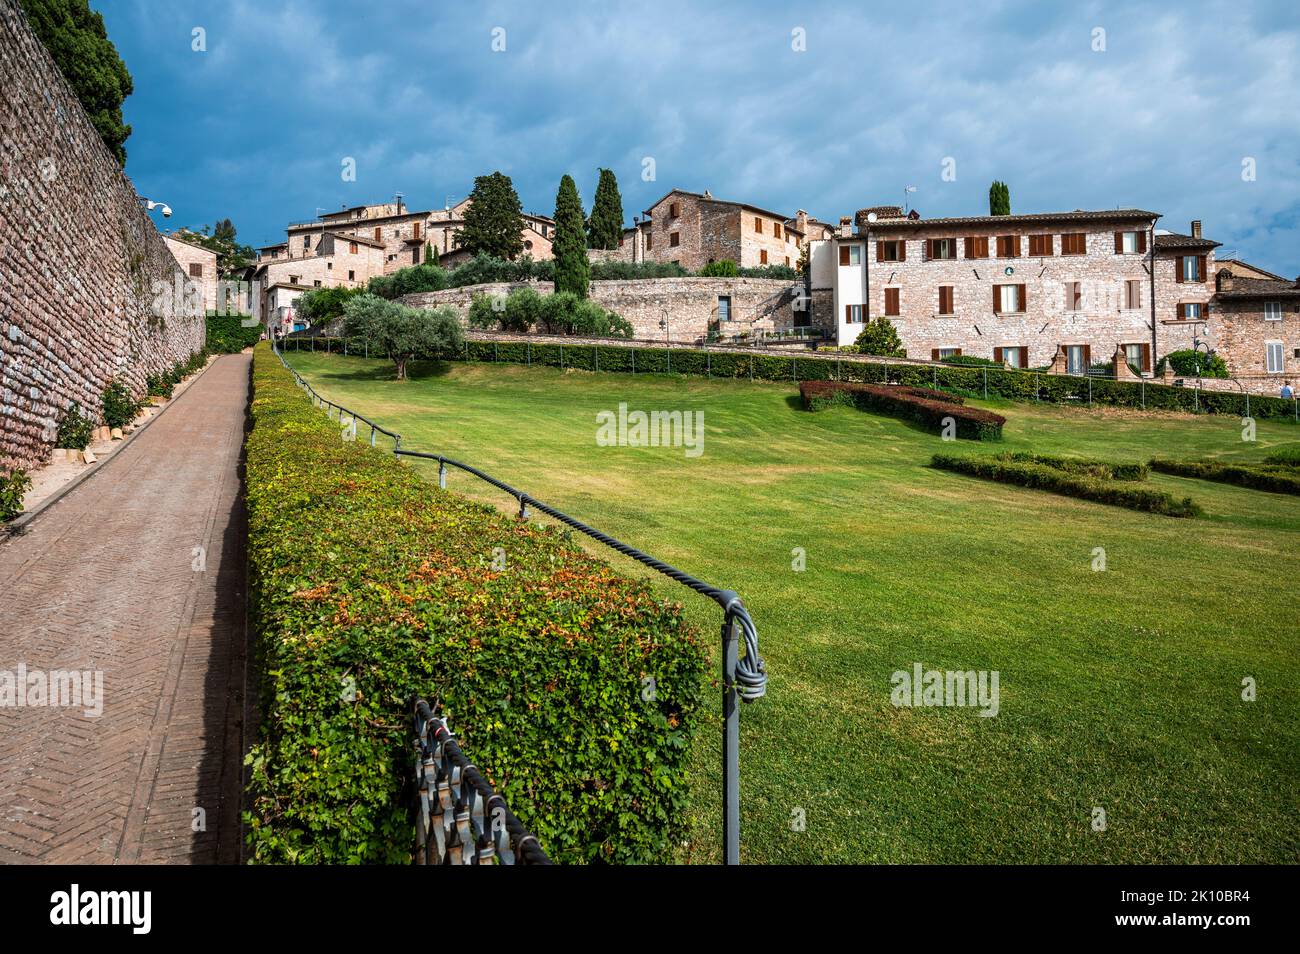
1188,109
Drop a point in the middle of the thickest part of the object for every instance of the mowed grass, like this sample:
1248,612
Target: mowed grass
1120,690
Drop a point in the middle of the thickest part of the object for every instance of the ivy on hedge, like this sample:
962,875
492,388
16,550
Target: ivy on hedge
1056,480
1278,478
369,585
933,409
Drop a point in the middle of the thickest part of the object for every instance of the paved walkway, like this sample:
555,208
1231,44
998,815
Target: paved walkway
105,580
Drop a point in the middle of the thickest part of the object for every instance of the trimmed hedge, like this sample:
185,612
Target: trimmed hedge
1278,479
1054,480
369,585
1284,455
1000,382
929,408
1083,466
227,335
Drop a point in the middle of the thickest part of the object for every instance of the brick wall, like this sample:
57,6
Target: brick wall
689,304
81,264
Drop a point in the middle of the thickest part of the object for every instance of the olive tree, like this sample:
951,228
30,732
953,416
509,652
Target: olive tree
402,332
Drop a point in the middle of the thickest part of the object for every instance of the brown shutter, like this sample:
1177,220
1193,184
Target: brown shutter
848,313
997,355
1119,243
880,251
1142,242
1181,311
934,354
1024,301
1146,357
1050,242
958,353
902,250
970,246
1178,269
844,254
1202,265
929,249
1087,357
1015,246
997,299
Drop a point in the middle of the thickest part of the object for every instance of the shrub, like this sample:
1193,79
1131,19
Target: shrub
1185,364
227,334
1279,480
75,429
12,488
119,407
1284,455
629,271
971,361
879,336
783,272
926,407
157,385
1084,466
1057,481
364,575
723,268
564,313
321,306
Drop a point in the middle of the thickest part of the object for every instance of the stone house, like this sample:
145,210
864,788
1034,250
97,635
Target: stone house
1255,326
693,229
338,259
199,265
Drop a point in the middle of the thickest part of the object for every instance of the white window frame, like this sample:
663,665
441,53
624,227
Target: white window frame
1131,283
855,252
1192,262
947,352
857,314
1271,348
1015,291
1129,243
1272,311
1070,364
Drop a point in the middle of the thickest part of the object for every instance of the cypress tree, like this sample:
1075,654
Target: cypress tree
999,198
494,221
572,270
605,228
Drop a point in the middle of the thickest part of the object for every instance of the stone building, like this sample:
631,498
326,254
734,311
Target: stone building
338,260
693,229
199,265
1255,326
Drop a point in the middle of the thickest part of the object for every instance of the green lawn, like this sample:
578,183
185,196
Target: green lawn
1120,689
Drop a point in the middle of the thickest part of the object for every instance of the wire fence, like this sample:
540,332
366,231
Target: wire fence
744,678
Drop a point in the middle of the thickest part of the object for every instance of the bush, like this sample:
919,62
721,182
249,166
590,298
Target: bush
879,337
1185,364
227,334
1284,455
970,361
1278,480
364,577
120,408
1057,481
1084,466
12,488
782,272
75,429
926,407
628,271
564,313
723,268
400,332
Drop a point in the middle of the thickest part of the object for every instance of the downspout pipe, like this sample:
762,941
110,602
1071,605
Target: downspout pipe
1155,352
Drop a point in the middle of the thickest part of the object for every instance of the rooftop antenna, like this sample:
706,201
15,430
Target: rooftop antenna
399,203
907,191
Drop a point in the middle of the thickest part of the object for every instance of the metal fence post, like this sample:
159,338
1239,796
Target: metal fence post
670,360
367,349
596,351
1143,391
708,363
561,355
794,367
528,347
1038,391
494,349
1090,391
442,474
730,746
986,384
751,367
1248,404
634,360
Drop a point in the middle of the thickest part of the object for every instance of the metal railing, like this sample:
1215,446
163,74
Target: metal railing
460,818
743,677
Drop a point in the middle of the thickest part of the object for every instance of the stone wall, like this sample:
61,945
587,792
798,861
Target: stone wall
88,287
688,304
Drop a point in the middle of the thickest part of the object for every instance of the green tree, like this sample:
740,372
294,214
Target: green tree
400,332
220,238
494,221
75,36
880,337
320,306
999,198
430,254
605,227
572,270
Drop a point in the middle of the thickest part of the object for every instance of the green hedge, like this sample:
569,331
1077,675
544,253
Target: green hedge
931,409
976,381
227,334
1083,466
1058,481
360,570
1284,455
1280,479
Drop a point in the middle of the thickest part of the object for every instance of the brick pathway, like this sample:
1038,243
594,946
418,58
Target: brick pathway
104,580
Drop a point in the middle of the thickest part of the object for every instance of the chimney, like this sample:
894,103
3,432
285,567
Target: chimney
845,226
1196,228
801,221
1225,279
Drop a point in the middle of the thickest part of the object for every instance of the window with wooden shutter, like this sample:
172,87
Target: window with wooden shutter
1181,311
196,270
1133,294
934,354
1022,299
901,244
1119,243
1074,243
675,239
762,254
929,249
352,247
378,234
1040,246
997,355
758,225
844,254
1142,242
1008,246
776,229
1201,267
880,251
672,210
977,246
945,299
891,302
1146,356
997,299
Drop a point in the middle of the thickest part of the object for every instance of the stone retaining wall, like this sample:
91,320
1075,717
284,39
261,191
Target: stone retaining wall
82,267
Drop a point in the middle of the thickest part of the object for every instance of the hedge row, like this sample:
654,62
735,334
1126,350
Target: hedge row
974,381
1058,481
933,409
369,585
1280,479
228,335
1083,466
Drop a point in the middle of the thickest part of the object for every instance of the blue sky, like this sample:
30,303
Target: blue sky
257,127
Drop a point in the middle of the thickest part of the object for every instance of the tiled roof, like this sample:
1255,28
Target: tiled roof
1175,240
882,212
1260,288
714,199
1036,218
1228,262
